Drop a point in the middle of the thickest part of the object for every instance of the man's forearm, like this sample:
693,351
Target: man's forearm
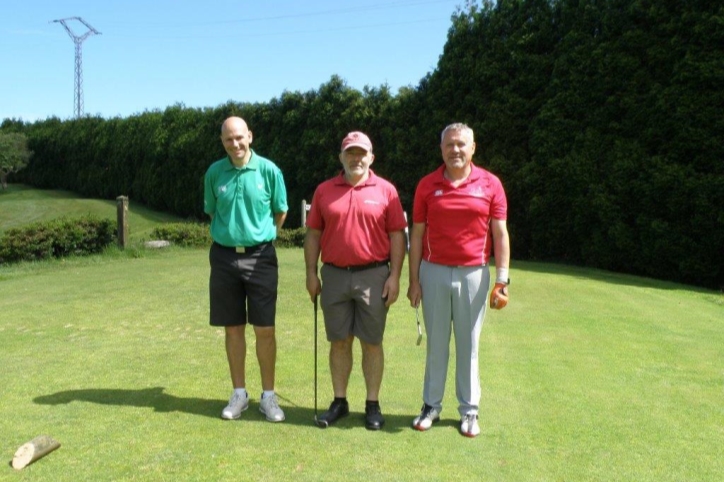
397,253
501,245
415,255
311,250
279,220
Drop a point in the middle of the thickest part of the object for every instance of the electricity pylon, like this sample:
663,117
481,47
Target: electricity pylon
78,40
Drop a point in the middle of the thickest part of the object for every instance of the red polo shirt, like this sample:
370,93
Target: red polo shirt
457,219
356,221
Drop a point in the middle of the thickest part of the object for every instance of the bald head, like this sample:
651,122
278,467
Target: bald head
232,123
236,137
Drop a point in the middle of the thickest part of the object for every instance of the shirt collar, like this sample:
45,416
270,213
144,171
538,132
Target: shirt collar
475,174
370,181
252,164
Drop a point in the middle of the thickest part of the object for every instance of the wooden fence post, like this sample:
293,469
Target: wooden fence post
305,207
122,217
407,232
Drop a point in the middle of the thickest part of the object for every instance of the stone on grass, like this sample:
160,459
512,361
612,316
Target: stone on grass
157,244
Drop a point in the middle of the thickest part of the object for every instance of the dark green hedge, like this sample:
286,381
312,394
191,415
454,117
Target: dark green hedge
198,235
603,120
290,238
183,234
57,239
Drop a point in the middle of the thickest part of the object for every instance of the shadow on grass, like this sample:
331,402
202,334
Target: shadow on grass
609,277
161,402
393,423
148,397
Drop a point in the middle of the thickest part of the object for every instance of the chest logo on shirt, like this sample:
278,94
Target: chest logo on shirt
222,189
477,191
438,192
370,201
260,186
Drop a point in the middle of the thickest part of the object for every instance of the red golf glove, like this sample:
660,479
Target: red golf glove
499,296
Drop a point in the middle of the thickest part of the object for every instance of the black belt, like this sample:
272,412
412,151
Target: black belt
361,267
244,249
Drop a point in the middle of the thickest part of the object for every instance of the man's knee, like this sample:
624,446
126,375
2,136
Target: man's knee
235,332
264,333
371,348
343,344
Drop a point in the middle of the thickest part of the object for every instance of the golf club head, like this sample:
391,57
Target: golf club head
320,423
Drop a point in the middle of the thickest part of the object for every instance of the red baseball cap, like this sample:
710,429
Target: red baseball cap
357,139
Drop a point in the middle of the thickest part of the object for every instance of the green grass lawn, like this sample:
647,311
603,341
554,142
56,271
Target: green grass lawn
21,205
586,375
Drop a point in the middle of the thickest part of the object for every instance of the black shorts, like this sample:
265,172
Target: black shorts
243,286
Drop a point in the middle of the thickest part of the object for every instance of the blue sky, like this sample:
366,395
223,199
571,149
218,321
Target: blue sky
156,53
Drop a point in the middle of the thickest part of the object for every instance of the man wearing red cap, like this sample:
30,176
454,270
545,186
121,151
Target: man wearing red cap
357,224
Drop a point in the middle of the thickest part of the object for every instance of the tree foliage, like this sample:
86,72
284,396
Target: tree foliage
14,155
601,117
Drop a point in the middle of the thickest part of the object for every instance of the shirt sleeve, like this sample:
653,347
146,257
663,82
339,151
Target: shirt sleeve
279,194
499,203
396,216
314,218
419,206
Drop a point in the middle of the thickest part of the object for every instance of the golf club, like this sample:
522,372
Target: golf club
419,329
319,423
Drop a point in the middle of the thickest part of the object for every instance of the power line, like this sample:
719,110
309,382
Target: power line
279,33
364,8
351,9
78,41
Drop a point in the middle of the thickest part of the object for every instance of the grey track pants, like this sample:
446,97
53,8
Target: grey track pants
453,298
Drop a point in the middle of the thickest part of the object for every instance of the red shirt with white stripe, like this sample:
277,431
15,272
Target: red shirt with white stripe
356,220
457,219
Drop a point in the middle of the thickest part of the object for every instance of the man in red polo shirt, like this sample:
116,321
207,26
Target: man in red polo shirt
357,224
459,213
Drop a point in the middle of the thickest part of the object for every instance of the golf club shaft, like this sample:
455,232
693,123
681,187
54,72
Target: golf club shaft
315,358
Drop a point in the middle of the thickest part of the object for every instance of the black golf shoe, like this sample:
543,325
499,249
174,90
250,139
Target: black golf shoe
338,409
373,417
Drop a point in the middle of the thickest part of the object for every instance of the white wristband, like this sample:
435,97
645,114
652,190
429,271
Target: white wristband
501,275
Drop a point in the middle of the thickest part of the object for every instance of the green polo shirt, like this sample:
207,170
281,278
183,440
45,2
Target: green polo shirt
243,200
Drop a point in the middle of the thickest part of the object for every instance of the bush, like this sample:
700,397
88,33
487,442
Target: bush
58,238
184,234
290,238
198,235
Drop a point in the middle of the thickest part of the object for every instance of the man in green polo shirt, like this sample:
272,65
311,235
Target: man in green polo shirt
245,196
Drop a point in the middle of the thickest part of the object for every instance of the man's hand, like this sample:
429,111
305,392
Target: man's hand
314,286
499,296
391,291
414,294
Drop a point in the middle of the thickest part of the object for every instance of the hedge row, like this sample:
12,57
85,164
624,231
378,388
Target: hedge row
57,239
198,235
602,119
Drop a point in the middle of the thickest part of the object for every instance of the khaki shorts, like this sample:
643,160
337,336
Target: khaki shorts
352,303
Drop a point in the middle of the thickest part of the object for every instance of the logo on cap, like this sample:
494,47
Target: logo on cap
357,139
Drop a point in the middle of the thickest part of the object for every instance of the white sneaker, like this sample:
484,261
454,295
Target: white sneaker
469,425
427,417
237,404
270,407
